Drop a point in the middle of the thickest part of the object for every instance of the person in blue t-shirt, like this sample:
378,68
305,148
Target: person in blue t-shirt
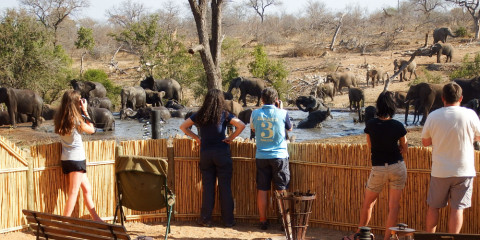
269,124
215,157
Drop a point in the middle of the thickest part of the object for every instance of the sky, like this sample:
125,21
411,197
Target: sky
97,7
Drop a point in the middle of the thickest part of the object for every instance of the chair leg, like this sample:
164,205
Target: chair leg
169,216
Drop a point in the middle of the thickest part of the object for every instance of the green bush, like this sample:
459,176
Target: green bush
468,69
113,90
461,32
274,72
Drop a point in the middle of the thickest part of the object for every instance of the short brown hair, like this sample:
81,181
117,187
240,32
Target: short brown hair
452,92
269,96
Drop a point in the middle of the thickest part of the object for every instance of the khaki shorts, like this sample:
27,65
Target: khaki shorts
456,189
395,174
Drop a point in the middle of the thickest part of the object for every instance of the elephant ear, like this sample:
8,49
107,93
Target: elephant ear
475,82
91,85
238,81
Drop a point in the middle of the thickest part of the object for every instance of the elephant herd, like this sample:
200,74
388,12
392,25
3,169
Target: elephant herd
26,105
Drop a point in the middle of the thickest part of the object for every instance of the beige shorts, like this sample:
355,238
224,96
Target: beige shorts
394,174
457,190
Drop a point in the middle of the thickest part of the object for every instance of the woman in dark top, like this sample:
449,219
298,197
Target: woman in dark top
387,141
215,158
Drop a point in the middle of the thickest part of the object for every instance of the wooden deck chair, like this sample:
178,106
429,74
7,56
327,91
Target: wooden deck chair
142,186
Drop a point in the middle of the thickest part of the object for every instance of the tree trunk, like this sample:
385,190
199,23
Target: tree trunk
211,47
81,63
477,27
332,45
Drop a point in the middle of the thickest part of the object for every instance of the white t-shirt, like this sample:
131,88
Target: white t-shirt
452,130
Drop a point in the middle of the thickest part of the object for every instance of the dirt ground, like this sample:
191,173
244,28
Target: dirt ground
300,68
189,230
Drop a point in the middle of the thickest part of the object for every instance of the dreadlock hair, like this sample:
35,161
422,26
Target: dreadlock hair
69,114
212,109
386,105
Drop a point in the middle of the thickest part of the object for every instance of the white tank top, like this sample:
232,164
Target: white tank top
72,147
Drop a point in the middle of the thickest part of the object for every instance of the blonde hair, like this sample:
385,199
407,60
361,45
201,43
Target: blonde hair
69,114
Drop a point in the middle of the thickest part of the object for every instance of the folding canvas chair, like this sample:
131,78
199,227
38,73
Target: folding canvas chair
142,186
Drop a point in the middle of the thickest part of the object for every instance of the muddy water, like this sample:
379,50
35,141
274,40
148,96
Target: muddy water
340,125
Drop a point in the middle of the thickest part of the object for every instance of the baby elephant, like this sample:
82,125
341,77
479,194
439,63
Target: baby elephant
442,49
376,75
356,98
412,67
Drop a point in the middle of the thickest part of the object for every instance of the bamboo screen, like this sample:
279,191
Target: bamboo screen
50,183
336,173
13,186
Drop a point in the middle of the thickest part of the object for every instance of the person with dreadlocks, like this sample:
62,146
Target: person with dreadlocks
69,124
215,157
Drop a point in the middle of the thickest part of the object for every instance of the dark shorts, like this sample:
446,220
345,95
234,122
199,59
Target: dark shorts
69,166
275,169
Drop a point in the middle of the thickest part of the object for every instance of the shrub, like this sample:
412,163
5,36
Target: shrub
274,72
113,90
468,69
461,32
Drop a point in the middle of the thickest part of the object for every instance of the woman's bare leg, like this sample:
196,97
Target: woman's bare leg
87,198
74,181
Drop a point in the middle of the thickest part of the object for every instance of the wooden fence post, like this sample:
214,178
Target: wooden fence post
30,188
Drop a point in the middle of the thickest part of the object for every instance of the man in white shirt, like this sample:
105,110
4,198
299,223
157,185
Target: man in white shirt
451,131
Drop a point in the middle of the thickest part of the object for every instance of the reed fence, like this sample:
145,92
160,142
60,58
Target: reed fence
336,173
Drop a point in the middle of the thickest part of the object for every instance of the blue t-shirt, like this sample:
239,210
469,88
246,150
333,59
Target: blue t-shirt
270,123
211,136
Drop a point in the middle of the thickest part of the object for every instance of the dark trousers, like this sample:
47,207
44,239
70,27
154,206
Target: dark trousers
216,163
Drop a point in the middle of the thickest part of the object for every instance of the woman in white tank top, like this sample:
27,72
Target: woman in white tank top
69,123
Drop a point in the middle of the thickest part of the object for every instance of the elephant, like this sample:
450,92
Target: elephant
145,113
227,95
20,101
174,104
314,119
245,116
342,79
356,97
399,97
100,103
133,97
442,49
89,89
250,86
4,118
48,112
177,113
365,114
440,34
426,97
376,75
171,87
412,67
474,104
323,90
470,88
154,98
233,107
309,104
102,118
